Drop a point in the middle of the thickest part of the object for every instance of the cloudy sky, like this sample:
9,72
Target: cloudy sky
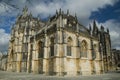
105,12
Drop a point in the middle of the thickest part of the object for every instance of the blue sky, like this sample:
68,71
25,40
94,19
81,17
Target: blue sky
109,12
105,12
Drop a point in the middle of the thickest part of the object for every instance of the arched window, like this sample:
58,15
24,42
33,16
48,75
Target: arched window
69,46
94,51
24,56
40,49
84,49
52,47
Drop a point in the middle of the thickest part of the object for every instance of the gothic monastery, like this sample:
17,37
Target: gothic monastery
60,46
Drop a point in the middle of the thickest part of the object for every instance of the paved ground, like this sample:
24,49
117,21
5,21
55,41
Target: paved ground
25,76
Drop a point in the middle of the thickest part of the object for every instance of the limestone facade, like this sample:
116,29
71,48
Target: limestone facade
60,46
3,61
115,59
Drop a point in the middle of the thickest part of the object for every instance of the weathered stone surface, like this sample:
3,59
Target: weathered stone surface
60,46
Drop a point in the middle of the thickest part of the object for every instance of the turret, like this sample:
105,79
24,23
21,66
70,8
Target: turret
95,29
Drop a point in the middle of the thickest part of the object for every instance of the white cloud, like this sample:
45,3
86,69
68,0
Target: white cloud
4,39
5,8
83,9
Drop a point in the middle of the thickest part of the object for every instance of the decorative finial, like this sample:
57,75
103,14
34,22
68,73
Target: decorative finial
56,12
107,30
102,28
90,27
30,14
60,11
38,15
75,16
94,23
49,17
95,26
25,11
68,12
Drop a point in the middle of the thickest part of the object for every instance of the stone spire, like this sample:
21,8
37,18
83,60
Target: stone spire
68,12
94,24
30,14
56,13
49,17
60,12
107,30
102,28
25,11
95,28
75,16
90,29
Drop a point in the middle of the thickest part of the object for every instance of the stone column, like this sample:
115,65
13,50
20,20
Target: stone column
59,61
19,56
46,56
103,64
29,57
64,53
35,57
78,68
99,61
19,53
90,57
